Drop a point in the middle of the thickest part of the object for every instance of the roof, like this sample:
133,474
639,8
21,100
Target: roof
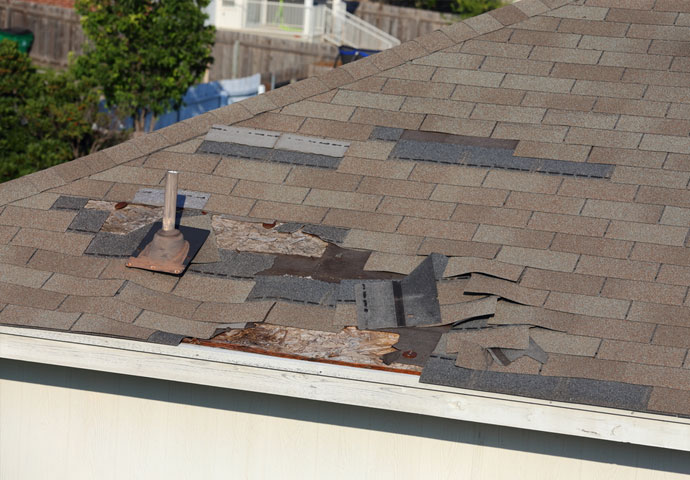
540,152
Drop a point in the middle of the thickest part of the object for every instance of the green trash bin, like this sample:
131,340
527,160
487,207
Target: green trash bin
22,36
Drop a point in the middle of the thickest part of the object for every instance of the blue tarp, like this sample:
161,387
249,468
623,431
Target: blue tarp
207,96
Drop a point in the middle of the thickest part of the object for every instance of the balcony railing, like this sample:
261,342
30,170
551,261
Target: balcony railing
318,22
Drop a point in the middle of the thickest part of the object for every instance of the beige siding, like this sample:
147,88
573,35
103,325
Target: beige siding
66,423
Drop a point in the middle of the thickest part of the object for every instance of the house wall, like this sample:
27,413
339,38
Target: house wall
58,422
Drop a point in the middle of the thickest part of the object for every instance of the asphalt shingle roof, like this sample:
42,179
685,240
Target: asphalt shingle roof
543,147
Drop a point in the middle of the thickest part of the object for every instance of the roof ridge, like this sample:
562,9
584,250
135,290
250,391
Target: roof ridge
179,132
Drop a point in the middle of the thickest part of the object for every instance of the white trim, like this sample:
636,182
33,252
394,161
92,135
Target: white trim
333,383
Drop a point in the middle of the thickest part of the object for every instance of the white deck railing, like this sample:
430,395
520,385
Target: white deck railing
343,28
317,22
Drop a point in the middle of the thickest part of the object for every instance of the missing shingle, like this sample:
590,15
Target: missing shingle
256,237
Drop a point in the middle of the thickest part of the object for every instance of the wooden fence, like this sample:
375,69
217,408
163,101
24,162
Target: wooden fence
56,30
236,54
403,23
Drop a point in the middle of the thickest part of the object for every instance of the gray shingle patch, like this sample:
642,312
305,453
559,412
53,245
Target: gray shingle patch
294,289
439,262
243,136
441,370
235,264
420,297
88,220
305,159
386,133
428,152
165,338
346,291
114,245
410,302
69,203
235,150
269,155
499,158
185,198
375,304
605,394
576,169
456,150
319,146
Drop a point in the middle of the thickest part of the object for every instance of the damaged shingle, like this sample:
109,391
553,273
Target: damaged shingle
412,301
294,289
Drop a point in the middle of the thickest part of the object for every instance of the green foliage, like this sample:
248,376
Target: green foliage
144,54
470,8
45,118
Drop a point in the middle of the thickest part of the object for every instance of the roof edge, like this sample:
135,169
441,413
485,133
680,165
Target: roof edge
294,378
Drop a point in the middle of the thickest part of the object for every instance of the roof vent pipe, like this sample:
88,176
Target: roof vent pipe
168,249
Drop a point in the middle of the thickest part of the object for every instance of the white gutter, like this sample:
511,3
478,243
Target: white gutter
333,383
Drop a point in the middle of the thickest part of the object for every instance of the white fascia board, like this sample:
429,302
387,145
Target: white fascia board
338,384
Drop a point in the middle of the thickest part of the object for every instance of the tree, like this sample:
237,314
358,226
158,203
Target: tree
46,118
470,8
144,54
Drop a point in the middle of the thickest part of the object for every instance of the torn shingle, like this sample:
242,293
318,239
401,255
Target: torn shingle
460,312
293,289
506,356
511,314
464,265
415,345
471,355
515,337
495,286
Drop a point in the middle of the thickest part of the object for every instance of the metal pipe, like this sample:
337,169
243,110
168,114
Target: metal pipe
170,206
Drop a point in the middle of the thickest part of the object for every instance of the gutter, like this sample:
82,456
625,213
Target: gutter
238,370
